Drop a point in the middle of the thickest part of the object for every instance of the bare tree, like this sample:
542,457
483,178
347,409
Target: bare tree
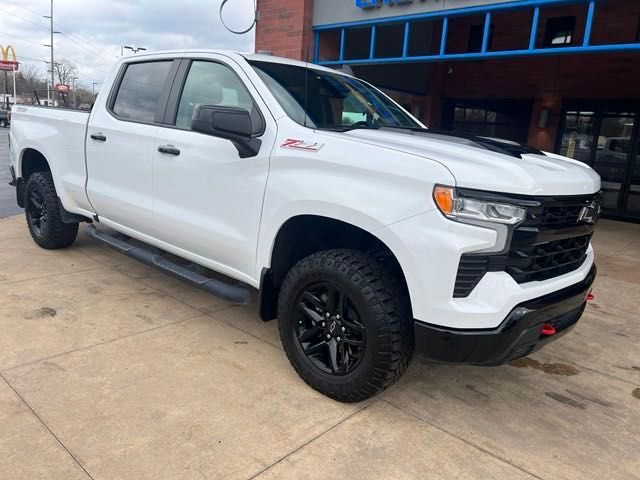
65,70
29,79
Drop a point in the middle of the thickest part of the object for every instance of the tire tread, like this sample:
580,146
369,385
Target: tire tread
387,299
58,234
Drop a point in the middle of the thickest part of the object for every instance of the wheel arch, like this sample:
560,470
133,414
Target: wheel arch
302,235
31,160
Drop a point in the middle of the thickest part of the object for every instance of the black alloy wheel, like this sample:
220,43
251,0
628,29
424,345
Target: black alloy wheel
43,213
345,323
329,329
37,212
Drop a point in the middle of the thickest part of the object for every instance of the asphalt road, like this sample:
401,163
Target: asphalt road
8,205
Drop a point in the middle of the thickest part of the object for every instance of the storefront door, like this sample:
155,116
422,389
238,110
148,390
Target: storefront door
607,139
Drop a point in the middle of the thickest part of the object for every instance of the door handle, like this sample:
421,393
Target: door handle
169,150
99,137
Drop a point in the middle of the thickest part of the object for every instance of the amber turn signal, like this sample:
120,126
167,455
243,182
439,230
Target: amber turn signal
443,197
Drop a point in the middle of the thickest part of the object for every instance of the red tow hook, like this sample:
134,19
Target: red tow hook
547,330
590,297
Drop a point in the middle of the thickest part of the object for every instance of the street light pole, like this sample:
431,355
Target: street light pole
93,88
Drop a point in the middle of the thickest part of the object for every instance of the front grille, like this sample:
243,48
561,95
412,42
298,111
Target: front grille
547,260
550,242
557,212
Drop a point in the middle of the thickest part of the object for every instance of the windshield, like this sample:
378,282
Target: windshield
332,101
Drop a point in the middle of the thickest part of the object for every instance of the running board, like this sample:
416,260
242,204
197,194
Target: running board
156,258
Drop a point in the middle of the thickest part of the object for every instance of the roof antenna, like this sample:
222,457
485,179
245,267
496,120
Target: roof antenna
256,17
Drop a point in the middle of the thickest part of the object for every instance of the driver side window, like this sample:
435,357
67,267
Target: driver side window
210,83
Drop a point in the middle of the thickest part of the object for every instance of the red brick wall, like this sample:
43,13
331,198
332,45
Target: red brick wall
285,29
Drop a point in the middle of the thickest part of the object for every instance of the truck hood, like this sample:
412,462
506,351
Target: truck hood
489,164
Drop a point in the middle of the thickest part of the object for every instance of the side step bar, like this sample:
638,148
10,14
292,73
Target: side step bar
150,256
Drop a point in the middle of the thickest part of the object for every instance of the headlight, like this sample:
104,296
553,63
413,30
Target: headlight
470,210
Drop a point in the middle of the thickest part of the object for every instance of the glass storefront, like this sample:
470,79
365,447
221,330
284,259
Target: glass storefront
606,137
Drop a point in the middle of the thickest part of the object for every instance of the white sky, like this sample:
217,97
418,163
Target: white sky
93,30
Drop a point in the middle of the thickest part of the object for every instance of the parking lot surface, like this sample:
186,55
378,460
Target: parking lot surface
110,369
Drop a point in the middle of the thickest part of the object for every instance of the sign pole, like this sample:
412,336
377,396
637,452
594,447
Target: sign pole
6,89
15,96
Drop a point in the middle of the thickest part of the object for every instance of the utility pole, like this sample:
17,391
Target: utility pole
52,63
93,88
52,31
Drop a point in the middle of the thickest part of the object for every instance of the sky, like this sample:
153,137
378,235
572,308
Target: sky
93,31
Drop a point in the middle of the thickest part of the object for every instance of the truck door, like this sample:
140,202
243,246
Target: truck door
121,141
208,200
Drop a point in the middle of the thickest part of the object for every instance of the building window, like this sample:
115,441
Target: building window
559,31
475,38
481,121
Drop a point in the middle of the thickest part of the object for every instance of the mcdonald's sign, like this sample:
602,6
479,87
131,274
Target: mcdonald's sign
5,63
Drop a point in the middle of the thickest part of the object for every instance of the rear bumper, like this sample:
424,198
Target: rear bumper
517,336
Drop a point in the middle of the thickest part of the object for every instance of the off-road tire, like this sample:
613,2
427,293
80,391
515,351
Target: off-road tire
383,306
55,233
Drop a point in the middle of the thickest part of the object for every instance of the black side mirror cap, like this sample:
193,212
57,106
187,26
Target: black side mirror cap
231,123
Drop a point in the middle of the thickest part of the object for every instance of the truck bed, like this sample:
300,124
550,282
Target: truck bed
59,134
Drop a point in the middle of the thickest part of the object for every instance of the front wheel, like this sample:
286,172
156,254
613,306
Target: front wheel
3,123
345,324
42,210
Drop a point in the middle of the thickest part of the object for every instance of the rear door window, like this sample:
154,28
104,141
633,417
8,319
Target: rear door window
140,90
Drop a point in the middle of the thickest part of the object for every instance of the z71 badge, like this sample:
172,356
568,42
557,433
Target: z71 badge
295,144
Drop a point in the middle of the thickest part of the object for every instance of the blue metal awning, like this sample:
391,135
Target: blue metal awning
485,52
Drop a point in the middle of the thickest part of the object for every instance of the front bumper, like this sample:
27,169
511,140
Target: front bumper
517,336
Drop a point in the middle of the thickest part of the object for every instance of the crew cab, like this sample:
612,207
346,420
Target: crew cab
366,234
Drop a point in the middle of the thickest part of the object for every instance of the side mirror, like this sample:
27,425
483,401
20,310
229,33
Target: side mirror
231,123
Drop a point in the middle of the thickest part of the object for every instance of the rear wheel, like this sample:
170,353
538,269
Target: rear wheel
345,324
42,210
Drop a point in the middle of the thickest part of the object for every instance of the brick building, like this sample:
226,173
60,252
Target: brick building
561,75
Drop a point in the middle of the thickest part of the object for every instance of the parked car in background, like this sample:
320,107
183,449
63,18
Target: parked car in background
5,118
366,234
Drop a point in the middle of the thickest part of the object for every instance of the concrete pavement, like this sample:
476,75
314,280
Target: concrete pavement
110,369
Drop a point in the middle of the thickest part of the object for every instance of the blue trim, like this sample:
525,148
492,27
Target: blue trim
405,45
630,47
485,33
372,46
534,28
485,53
496,7
316,47
443,38
589,25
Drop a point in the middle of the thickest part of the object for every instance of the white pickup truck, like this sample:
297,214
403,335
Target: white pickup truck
366,234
